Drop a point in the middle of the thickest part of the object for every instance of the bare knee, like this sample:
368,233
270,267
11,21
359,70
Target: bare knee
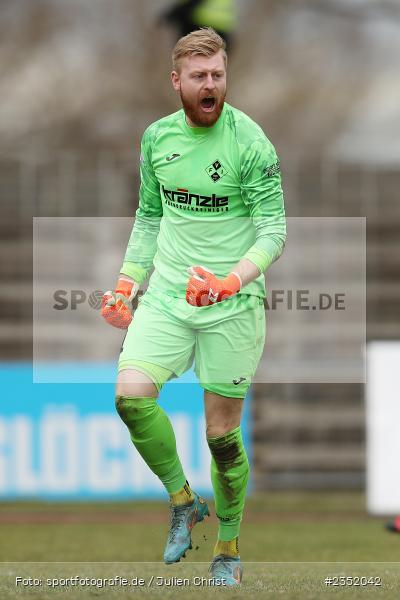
222,414
134,384
214,430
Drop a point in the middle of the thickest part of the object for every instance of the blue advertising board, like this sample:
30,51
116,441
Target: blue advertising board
66,441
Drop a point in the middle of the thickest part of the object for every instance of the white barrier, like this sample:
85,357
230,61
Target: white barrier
383,428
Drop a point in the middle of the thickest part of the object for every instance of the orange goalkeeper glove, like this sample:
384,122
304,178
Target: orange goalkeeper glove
204,288
116,307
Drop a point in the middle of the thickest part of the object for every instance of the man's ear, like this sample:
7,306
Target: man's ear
176,81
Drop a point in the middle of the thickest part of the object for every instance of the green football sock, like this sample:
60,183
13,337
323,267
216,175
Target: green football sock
229,476
152,434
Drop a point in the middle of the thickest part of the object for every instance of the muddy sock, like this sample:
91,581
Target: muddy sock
229,476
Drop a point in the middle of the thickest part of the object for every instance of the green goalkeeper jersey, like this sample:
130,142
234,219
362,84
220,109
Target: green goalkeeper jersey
208,196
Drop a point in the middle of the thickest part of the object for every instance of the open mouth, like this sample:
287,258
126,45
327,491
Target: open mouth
208,103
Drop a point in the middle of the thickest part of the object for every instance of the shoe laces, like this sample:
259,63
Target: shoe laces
178,514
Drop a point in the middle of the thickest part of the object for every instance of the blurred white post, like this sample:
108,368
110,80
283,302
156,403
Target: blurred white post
383,418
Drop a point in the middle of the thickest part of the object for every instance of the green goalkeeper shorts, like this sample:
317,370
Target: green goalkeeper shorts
225,341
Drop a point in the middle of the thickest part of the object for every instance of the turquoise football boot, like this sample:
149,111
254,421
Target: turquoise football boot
183,519
226,570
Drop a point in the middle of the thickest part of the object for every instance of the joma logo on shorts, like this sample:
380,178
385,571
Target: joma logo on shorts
182,198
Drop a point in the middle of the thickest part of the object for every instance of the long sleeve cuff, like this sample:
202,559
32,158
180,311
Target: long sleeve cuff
259,257
138,273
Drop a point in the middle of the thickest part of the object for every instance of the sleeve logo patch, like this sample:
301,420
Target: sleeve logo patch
272,169
216,170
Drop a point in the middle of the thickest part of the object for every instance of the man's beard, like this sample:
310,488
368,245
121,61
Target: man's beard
197,115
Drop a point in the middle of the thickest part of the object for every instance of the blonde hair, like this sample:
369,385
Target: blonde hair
202,42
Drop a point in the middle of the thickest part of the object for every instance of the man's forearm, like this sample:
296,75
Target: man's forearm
246,270
141,248
258,259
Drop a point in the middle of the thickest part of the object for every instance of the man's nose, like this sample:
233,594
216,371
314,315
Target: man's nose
210,84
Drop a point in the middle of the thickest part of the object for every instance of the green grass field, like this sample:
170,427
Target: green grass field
290,543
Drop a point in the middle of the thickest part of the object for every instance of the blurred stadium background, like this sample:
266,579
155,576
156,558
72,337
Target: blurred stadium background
79,82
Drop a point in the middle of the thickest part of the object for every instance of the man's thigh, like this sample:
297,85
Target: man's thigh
155,336
229,349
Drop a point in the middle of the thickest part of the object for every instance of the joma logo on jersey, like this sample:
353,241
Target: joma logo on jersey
186,200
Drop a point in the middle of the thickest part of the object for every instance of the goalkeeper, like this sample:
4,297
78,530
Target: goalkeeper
210,220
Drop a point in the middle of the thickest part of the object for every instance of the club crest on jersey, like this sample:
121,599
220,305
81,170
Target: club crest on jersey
216,170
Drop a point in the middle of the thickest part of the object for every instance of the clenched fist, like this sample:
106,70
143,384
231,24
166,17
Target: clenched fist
204,288
116,307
